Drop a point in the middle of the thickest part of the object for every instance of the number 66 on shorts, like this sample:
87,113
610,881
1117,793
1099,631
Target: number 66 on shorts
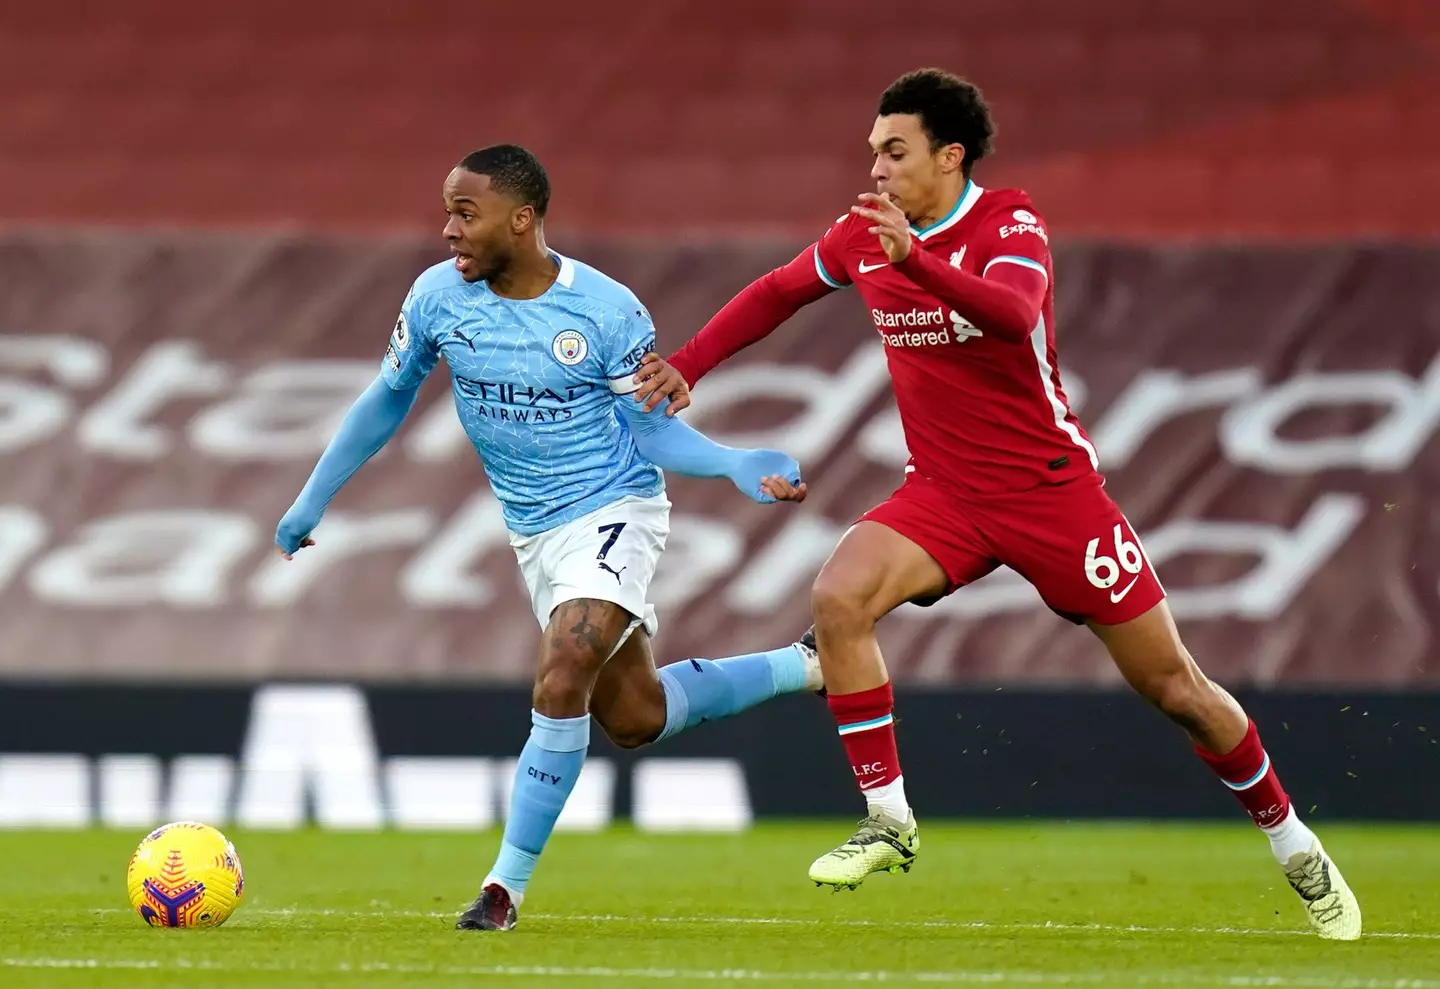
1073,543
1104,571
1124,583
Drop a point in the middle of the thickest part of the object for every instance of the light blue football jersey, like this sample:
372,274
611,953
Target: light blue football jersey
535,384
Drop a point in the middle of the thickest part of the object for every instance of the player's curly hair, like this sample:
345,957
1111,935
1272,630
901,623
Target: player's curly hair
513,171
951,110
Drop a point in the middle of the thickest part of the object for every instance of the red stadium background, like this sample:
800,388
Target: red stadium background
1133,119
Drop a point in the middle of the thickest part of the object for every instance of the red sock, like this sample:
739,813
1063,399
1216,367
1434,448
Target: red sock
868,731
1246,770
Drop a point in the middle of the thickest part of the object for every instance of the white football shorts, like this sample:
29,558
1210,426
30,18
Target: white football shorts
610,555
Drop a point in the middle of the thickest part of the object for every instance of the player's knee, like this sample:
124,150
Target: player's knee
839,600
563,685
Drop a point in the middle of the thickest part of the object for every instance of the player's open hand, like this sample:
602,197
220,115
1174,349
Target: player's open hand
888,223
659,381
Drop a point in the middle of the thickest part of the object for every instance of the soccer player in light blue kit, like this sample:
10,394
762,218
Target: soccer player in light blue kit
543,351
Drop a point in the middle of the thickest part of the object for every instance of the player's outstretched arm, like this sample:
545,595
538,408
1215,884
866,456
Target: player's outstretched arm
368,426
749,317
671,444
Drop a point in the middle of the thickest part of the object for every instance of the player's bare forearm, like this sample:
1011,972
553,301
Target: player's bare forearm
1005,307
367,427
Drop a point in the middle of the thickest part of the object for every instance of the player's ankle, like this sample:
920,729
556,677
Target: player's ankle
1289,837
889,800
516,895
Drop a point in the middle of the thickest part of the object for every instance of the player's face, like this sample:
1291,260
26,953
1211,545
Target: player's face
906,168
481,225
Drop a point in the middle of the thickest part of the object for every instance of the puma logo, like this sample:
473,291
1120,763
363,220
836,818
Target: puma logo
609,569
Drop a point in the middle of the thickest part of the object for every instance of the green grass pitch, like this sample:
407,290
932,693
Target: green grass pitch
1012,904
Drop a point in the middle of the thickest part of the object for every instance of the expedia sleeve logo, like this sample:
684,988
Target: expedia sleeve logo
569,347
1026,222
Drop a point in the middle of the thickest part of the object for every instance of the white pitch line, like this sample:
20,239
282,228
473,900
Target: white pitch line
739,975
1060,927
980,925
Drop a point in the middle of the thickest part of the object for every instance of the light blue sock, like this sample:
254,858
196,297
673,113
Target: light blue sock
544,777
699,690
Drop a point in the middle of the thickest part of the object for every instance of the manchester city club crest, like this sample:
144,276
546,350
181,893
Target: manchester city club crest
570,347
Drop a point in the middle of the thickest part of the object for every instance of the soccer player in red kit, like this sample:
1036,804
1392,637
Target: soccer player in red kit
959,284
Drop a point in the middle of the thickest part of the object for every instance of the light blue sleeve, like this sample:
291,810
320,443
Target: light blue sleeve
413,349
625,341
367,427
670,443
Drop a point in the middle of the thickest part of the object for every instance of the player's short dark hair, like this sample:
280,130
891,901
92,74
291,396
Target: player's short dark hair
951,110
513,171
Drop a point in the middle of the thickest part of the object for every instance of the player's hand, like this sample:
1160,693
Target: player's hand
888,223
659,381
307,541
293,533
780,489
768,476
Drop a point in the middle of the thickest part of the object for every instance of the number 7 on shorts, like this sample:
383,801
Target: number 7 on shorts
614,528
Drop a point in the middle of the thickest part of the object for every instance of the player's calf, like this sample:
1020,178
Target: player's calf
631,731
627,701
702,690
637,705
1202,708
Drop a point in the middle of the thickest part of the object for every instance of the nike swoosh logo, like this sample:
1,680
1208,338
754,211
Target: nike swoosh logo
871,786
1117,598
865,269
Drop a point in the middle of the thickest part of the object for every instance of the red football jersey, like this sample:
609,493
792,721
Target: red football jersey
979,412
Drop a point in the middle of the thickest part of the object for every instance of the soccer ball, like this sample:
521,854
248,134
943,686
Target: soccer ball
185,875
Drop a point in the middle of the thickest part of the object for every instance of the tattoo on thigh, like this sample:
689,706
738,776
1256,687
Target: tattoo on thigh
588,625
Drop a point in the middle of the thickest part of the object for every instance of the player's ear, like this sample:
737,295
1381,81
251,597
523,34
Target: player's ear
522,219
952,157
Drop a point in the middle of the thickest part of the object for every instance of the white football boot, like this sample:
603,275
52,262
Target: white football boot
1331,907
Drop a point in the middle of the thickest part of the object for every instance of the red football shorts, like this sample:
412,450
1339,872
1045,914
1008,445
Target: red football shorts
1070,540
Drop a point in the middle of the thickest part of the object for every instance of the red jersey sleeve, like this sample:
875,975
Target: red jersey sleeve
1006,298
1015,237
764,304
830,260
